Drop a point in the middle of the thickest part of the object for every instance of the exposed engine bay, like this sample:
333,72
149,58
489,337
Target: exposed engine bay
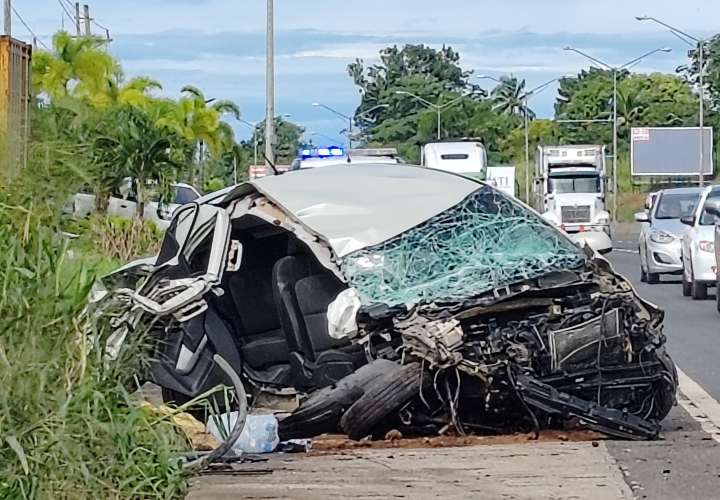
587,349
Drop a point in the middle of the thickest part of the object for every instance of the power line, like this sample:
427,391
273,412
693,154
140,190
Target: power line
67,12
28,28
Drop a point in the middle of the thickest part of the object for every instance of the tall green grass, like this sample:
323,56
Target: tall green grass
69,427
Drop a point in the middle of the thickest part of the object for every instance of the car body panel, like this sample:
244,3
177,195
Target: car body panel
698,264
352,210
123,205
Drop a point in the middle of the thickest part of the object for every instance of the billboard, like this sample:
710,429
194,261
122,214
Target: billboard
670,151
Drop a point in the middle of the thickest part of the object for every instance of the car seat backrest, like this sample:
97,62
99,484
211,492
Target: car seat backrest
314,295
286,273
252,294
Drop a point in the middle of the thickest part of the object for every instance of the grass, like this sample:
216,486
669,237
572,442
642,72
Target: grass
69,426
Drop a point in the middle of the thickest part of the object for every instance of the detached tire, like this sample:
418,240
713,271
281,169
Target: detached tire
320,413
386,396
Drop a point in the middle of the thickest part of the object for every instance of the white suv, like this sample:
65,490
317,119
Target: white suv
698,248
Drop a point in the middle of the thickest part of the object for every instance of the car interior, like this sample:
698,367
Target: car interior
276,305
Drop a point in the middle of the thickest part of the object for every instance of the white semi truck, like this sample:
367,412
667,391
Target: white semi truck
468,158
570,192
460,157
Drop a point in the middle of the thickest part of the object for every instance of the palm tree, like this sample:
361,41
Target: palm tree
508,98
199,121
78,67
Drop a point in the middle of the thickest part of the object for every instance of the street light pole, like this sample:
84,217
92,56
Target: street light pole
439,108
688,39
270,85
526,122
615,145
349,118
615,70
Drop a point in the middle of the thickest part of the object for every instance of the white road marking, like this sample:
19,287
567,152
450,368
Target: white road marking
625,250
700,405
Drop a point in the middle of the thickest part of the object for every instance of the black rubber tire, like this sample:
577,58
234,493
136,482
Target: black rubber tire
386,396
653,278
320,413
699,291
643,274
686,287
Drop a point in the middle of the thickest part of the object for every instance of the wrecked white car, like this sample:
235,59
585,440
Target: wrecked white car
394,297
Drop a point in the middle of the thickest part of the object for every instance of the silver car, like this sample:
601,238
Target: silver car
659,241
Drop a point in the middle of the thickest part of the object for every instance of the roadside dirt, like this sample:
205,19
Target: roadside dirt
329,444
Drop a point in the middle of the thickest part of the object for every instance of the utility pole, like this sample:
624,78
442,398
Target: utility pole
701,45
77,19
8,17
86,18
270,85
615,70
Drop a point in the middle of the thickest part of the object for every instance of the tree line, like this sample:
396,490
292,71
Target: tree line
497,117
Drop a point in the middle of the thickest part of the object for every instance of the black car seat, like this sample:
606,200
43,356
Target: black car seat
304,291
263,343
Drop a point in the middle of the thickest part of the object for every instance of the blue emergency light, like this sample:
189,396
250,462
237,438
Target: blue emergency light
331,152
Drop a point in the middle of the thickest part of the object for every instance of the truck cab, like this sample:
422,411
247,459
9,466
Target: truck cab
570,192
459,157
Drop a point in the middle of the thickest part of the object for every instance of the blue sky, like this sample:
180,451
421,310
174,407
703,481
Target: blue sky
219,45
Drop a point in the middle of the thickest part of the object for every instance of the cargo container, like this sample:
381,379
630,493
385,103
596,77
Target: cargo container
15,75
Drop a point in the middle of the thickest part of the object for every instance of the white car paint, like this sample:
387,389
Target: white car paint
124,205
698,248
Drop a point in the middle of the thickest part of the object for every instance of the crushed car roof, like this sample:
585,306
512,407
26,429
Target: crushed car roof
356,206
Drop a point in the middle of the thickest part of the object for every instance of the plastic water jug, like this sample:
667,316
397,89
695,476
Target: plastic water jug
260,434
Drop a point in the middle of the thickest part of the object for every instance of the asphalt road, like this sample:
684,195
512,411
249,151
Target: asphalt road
692,327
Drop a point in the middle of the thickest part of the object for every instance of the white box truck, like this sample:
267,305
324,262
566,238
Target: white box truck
570,192
460,157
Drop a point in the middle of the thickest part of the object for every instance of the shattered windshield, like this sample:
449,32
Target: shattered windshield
485,242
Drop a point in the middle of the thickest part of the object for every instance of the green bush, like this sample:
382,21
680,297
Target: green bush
117,239
69,428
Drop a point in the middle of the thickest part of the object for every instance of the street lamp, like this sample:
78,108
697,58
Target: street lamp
349,118
439,108
689,39
253,126
525,97
615,70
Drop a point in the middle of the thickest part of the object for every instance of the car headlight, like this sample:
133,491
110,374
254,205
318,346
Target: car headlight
662,238
706,246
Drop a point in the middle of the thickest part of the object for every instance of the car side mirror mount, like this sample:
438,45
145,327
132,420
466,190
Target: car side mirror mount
688,220
642,217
